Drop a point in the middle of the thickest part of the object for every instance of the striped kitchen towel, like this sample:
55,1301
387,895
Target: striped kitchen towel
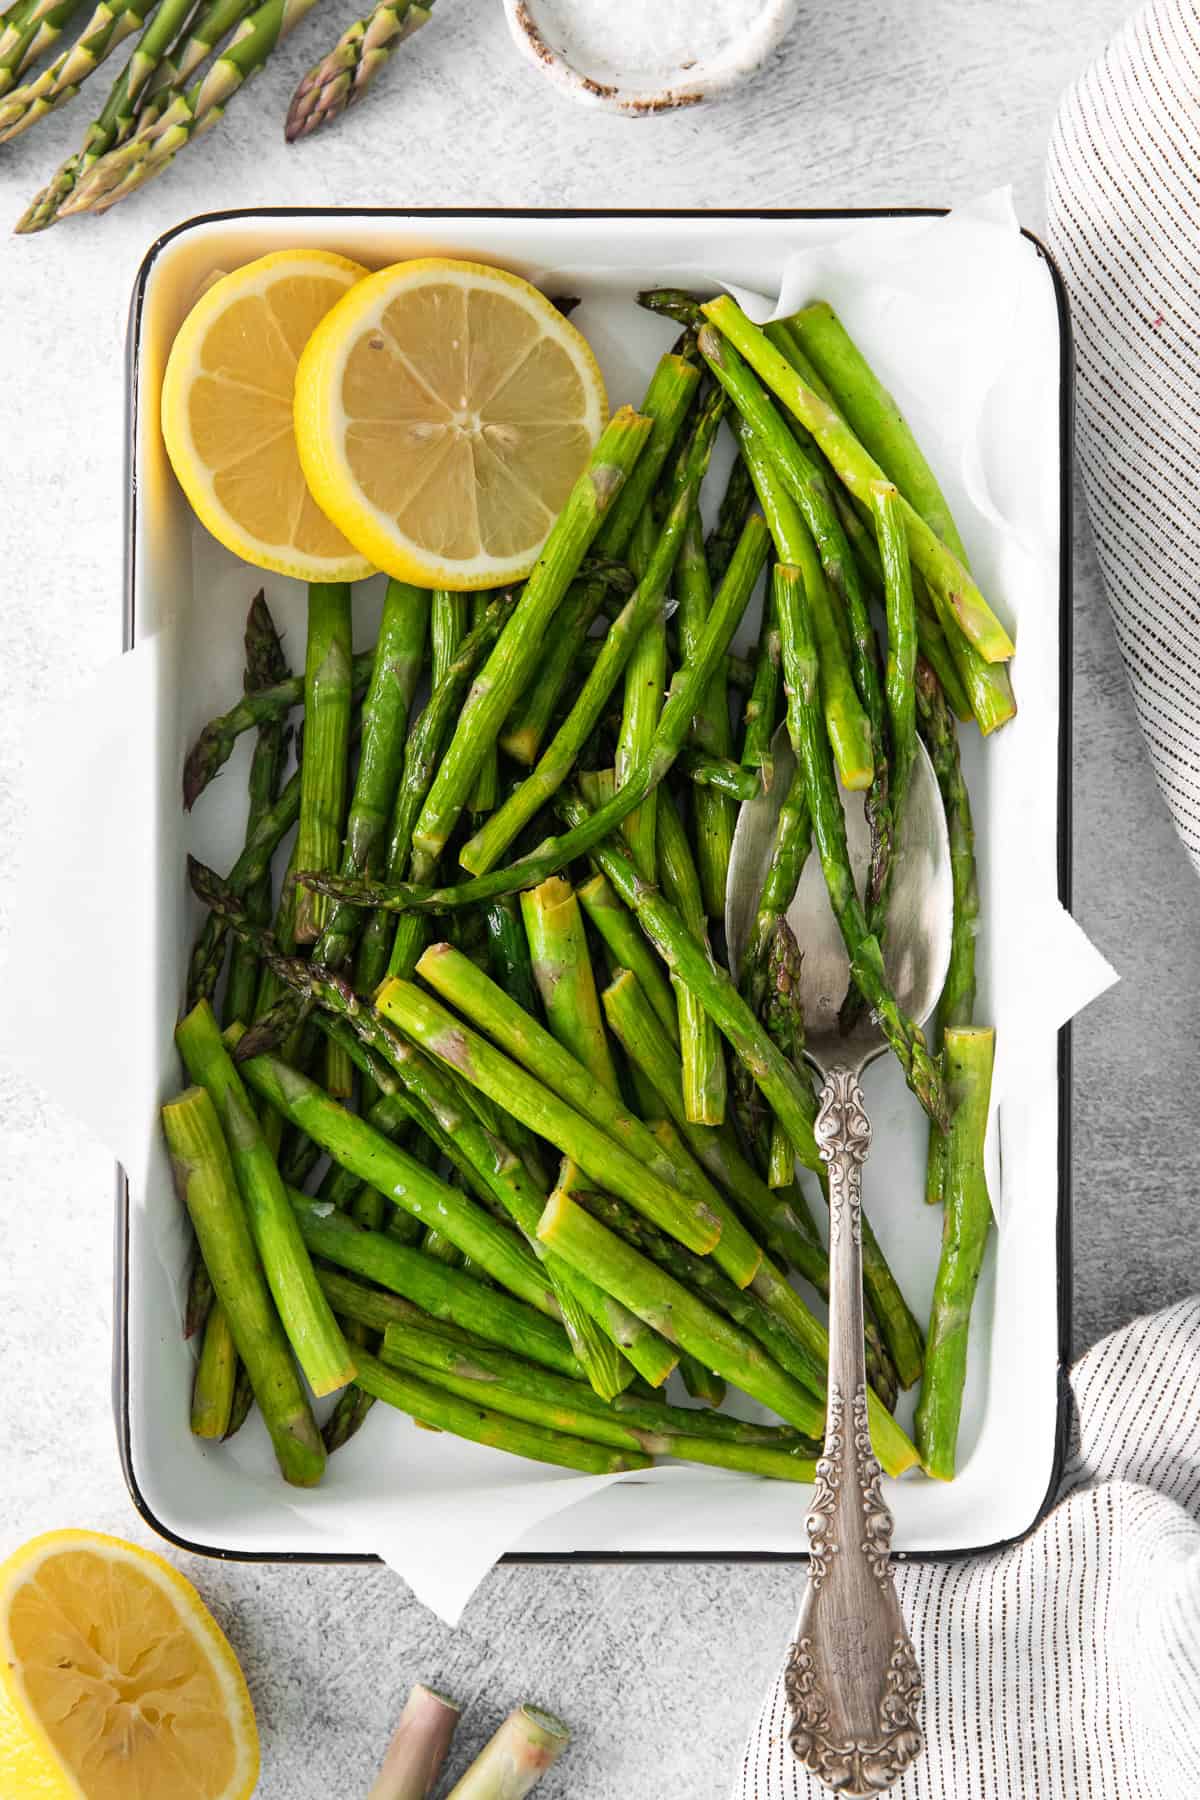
1067,1668
1123,199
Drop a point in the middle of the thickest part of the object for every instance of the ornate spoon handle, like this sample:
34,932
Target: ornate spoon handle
852,1678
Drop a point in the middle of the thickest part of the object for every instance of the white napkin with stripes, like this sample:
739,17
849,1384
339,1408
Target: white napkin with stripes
1069,1666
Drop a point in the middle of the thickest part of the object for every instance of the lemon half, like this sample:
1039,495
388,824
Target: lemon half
115,1680
443,412
227,402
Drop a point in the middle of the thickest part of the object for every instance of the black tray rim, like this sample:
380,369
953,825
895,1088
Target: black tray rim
1064,1253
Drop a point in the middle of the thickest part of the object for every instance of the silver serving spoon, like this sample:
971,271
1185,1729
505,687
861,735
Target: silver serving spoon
852,1679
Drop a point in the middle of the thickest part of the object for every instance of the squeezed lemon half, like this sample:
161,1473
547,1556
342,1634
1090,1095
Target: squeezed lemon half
115,1680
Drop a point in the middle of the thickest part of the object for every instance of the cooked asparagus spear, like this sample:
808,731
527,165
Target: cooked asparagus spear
811,745
700,1043
446,1294
645,680
216,1375
563,972
205,1182
736,504
489,843
968,1055
629,949
957,1003
525,1392
508,952
467,1419
320,1348
516,654
323,773
251,868
762,703
343,75
856,469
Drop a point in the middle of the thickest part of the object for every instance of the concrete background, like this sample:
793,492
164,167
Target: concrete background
660,1669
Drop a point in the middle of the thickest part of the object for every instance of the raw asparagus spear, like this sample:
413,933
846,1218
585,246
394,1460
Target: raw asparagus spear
856,469
686,687
957,1003
205,1181
216,1374
323,773
528,1743
873,416
458,1048
320,1348
183,113
343,75
811,745
446,1294
967,1055
515,657
488,844
524,1392
700,1042
265,665
110,24
563,972
41,25
432,1405
629,950
399,657
214,746
418,1748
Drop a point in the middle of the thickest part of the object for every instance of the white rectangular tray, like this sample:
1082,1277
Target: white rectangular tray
191,597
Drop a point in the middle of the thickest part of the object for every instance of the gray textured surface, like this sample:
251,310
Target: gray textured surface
659,1668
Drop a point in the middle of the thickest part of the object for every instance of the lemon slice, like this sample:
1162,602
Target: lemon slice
443,412
227,413
115,1680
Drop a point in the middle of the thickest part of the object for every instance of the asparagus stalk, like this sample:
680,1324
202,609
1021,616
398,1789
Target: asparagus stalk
216,1374
482,851
793,841
348,1416
251,869
811,746
968,1056
522,1392
664,1303
194,45
451,1043
110,24
199,1300
205,1182
713,813
645,680
563,972
487,783
762,705
446,1294
857,469
686,687
114,119
214,746
312,1330
874,417
931,641
736,504
701,1383
359,1147
957,1003
40,26
323,773
182,113
375,1310
901,657
419,1744
242,1404
436,1406
531,717
700,1041
629,950
857,744
720,775
265,665
399,657
528,1743
508,952
342,76
515,657
783,1017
